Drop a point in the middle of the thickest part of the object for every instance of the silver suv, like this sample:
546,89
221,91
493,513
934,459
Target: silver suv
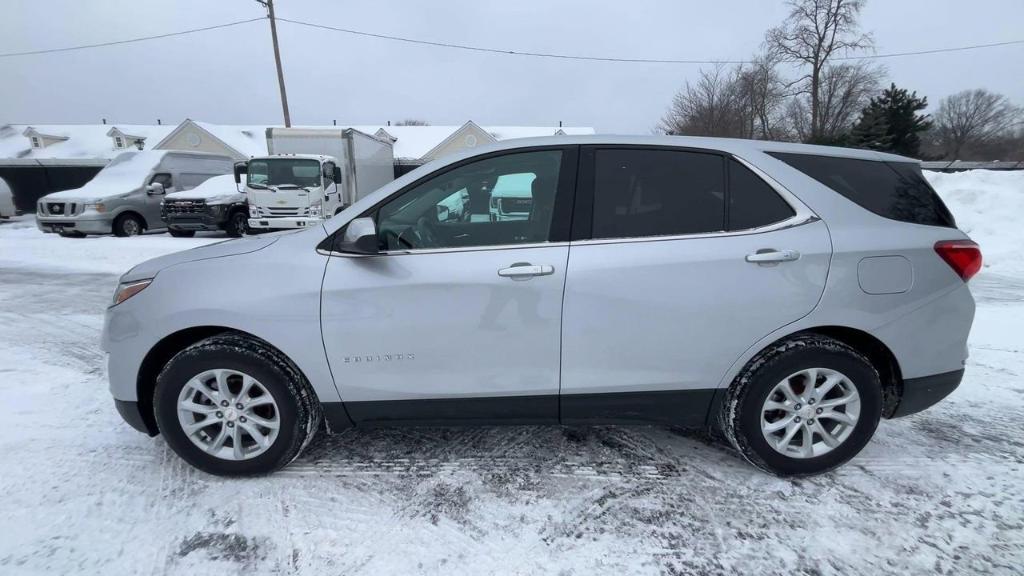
787,295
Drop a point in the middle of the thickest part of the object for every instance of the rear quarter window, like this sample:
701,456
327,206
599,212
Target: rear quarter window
894,190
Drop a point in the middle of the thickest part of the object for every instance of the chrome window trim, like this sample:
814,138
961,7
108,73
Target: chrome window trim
446,250
781,225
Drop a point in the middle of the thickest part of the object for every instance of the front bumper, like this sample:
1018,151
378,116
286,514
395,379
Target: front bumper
196,221
49,224
284,223
922,393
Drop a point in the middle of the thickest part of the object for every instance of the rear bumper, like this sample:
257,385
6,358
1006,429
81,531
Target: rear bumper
922,393
130,412
284,223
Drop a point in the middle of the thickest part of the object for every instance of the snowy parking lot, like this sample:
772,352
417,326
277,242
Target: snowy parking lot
82,493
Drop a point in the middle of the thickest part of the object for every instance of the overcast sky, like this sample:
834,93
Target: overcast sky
227,75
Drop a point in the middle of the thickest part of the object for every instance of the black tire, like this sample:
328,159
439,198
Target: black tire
237,224
740,416
181,233
298,407
128,224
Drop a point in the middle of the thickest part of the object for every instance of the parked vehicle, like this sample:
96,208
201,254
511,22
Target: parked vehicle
6,200
124,197
511,198
312,174
216,204
789,295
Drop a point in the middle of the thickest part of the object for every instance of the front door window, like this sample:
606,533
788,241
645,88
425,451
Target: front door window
503,200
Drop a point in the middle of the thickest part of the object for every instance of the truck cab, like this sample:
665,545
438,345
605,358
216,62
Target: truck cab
290,190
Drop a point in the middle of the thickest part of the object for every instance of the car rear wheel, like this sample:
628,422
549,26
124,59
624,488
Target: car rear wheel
234,406
237,225
181,233
803,406
128,225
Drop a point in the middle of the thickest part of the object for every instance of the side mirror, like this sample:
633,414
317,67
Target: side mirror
155,189
241,169
442,213
360,237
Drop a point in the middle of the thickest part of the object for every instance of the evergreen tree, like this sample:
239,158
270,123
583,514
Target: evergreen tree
891,123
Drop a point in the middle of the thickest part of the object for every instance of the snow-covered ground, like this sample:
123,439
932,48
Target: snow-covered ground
81,493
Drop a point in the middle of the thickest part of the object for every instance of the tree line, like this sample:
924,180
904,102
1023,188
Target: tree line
802,87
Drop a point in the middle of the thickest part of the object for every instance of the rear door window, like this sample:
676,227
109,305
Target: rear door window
895,190
752,202
650,192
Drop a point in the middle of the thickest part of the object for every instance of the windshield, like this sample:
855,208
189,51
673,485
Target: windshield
277,172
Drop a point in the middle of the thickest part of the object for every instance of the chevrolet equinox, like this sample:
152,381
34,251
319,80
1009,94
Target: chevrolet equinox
789,296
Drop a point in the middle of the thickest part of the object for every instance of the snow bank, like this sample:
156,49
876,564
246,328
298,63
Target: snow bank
988,205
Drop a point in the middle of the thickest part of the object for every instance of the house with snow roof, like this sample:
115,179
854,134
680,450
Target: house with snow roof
38,159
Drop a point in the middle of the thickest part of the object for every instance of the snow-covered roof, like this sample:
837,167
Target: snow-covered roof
222,185
124,174
84,141
93,142
413,142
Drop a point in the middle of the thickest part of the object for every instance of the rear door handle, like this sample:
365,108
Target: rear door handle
525,270
771,256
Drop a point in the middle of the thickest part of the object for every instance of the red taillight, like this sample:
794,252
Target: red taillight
963,256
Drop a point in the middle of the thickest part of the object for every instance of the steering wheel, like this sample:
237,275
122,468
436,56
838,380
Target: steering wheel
394,239
424,233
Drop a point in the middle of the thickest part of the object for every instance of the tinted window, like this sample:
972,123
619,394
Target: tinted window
502,200
657,193
895,190
752,202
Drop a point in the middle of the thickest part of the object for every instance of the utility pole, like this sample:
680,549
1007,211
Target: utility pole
269,5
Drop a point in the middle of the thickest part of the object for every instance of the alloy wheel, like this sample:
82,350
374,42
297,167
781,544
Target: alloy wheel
228,414
810,413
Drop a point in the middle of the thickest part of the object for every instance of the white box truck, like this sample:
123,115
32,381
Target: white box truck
311,174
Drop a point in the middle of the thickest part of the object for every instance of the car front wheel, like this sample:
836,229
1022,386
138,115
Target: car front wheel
803,406
128,225
238,224
234,406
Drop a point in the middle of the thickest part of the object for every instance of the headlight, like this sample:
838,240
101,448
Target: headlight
128,289
98,207
314,210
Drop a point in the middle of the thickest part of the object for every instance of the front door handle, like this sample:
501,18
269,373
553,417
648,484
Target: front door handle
772,256
525,270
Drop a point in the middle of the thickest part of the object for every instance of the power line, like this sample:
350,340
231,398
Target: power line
509,52
130,40
628,60
496,50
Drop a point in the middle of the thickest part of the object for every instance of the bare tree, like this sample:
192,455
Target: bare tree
412,122
761,95
743,102
814,32
707,108
845,90
974,118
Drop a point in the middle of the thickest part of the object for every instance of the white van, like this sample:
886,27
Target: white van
124,198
